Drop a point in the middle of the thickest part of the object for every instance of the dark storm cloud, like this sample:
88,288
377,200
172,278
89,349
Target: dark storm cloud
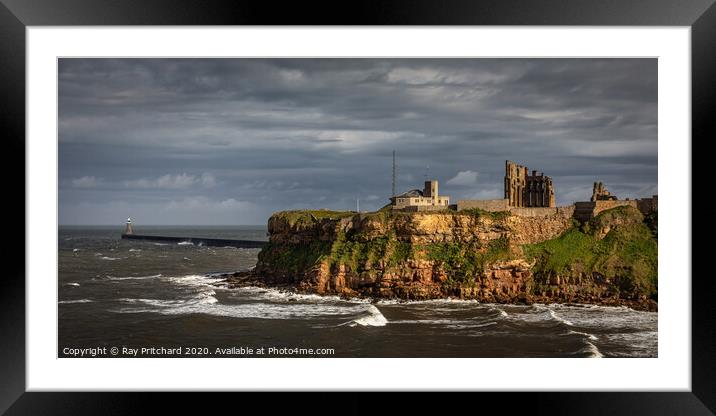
228,141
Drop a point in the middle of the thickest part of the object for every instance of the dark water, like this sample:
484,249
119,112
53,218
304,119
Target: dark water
138,294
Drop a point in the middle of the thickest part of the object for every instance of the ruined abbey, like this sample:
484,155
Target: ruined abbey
525,195
525,190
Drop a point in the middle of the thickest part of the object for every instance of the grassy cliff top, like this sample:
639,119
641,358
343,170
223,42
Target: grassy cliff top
307,216
616,244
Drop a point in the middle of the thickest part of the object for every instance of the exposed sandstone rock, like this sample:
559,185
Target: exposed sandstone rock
359,255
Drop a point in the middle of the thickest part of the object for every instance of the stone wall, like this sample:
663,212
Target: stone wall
585,211
422,208
492,205
605,205
647,205
535,229
567,211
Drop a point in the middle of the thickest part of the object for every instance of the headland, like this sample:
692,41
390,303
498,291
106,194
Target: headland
500,256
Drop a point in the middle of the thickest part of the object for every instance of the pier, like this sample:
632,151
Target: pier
128,234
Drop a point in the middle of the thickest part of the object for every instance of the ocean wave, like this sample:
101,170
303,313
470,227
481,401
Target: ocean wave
75,284
204,298
160,244
615,318
372,317
450,301
206,303
559,318
134,250
586,334
110,258
500,311
638,344
448,323
76,301
154,276
193,280
277,295
185,243
591,350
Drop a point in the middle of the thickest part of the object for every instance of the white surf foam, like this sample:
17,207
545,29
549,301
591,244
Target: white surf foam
134,250
277,295
614,318
207,305
185,243
154,276
192,280
540,313
559,318
160,244
109,258
76,301
500,311
75,250
71,284
591,350
588,335
448,323
450,301
373,317
485,324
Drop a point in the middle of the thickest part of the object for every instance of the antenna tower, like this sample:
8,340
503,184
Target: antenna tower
393,173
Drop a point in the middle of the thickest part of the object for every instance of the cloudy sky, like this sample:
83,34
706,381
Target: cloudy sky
229,141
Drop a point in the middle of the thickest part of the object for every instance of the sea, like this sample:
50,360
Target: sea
129,298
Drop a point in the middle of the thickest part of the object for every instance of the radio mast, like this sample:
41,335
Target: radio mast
393,173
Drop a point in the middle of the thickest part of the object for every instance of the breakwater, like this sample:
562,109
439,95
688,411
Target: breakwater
198,241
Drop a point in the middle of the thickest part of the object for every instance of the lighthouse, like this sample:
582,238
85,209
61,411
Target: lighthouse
128,228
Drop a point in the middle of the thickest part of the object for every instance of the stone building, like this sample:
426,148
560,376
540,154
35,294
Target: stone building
421,200
600,193
525,190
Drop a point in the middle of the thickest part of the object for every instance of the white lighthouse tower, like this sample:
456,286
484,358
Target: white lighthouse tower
128,228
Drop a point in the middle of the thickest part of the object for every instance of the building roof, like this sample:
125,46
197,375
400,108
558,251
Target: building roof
410,194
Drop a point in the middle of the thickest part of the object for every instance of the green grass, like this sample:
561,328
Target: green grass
652,221
309,217
627,255
463,262
294,258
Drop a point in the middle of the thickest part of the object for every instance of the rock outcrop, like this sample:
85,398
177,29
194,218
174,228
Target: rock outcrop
491,257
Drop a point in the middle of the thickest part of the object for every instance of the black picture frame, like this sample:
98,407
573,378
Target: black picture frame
16,15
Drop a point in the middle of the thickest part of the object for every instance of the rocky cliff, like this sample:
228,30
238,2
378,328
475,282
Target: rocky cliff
473,254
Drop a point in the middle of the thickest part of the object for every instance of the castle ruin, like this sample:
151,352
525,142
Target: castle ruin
600,193
525,190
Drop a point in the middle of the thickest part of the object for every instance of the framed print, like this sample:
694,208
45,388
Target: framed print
403,198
